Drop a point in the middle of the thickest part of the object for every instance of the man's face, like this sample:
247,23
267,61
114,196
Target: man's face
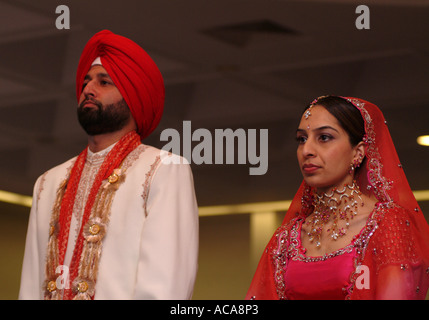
101,107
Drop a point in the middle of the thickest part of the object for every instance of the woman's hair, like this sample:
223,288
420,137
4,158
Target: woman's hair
348,116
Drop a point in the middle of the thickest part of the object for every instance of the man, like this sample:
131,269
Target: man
115,222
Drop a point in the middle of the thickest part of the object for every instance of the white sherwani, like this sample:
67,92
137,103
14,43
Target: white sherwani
150,250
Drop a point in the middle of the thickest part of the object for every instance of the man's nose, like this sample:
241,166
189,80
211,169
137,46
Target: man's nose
89,89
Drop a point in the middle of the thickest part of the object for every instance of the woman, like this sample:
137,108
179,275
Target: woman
354,229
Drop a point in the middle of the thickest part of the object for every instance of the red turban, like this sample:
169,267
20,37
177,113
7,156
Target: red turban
134,73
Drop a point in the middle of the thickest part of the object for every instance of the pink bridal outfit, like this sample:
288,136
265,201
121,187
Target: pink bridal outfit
388,259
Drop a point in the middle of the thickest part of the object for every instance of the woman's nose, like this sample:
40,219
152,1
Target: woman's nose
308,149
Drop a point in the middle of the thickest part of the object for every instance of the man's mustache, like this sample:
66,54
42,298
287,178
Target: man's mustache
96,102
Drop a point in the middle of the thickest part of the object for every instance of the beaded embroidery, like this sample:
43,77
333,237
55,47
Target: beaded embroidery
83,285
378,184
146,185
288,247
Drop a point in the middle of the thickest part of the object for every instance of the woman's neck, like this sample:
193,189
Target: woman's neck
334,208
337,198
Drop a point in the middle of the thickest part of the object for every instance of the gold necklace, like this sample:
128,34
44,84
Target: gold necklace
335,206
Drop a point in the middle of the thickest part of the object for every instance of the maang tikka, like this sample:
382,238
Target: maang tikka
307,113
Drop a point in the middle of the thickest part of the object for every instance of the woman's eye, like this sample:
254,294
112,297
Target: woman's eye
325,137
301,139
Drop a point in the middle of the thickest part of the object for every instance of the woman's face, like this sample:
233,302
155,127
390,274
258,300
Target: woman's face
324,150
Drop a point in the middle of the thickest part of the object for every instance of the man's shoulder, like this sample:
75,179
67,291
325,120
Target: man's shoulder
152,159
60,169
153,154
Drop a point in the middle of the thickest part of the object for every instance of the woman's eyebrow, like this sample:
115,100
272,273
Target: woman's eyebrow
324,128
317,129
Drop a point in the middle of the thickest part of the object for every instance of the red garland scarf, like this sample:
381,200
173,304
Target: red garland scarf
112,161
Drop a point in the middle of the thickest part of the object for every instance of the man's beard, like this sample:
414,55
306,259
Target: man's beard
103,119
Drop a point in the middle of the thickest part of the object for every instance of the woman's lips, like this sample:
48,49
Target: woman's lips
310,168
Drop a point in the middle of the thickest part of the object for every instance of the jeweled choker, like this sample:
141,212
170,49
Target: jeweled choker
335,206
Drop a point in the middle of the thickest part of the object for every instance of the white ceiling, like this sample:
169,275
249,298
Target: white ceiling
226,64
